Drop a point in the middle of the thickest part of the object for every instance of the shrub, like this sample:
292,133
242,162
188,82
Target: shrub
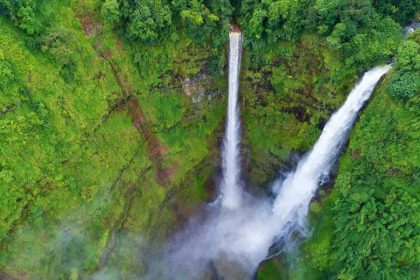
408,56
404,85
6,73
147,19
57,42
24,14
111,11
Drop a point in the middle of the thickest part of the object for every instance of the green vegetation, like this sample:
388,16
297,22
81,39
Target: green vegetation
111,116
81,163
405,83
368,227
363,33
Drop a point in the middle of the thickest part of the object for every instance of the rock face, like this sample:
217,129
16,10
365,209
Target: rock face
195,85
411,28
198,88
225,268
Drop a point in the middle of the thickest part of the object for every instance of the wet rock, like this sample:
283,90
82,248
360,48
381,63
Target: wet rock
226,268
411,28
198,88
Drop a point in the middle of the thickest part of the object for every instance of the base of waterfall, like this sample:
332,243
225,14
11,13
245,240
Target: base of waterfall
229,243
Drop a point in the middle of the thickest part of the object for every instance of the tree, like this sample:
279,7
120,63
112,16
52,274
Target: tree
404,85
147,19
408,56
204,21
111,11
273,19
402,11
6,73
23,13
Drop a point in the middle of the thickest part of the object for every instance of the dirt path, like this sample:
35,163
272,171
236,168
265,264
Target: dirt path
155,150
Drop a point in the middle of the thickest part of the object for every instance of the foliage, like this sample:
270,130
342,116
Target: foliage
405,83
275,19
403,11
368,226
24,13
146,20
111,11
155,20
198,20
271,21
408,56
58,42
375,210
355,28
6,72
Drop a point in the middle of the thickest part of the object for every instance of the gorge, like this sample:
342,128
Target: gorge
209,140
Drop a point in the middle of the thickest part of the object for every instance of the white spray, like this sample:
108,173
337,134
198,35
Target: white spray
231,184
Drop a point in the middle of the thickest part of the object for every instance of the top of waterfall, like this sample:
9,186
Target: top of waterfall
234,27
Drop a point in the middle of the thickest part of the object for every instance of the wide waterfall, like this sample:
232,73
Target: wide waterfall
231,184
233,243
292,202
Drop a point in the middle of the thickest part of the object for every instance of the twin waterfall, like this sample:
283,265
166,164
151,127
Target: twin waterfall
234,236
231,184
290,207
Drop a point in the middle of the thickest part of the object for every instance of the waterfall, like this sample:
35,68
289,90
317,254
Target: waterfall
296,191
231,182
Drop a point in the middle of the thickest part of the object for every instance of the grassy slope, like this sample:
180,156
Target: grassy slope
75,172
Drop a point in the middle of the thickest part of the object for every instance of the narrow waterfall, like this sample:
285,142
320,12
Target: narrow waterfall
296,192
231,182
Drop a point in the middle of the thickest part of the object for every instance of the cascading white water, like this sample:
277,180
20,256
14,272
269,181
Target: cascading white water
292,202
231,184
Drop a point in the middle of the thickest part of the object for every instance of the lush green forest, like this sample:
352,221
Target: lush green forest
112,115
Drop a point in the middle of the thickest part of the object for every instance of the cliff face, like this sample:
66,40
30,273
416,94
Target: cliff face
287,101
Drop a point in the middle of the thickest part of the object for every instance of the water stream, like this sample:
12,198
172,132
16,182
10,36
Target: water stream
231,181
